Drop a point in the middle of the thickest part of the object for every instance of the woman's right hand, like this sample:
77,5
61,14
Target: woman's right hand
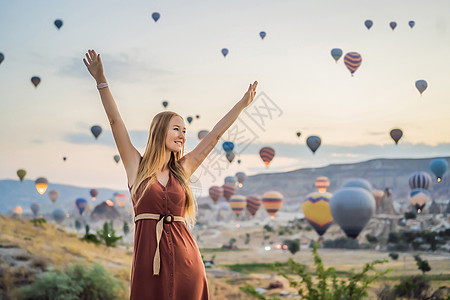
94,65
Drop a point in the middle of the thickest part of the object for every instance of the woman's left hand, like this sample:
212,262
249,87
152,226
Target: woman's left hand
250,94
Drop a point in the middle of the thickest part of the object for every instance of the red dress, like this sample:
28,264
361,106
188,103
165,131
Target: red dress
182,273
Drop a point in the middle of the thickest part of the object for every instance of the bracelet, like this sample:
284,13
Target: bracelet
102,85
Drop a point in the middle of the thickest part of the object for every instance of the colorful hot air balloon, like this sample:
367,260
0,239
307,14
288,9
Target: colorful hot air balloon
322,183
165,103
230,180
352,208
439,166
368,23
272,202
313,142
396,135
419,198
421,86
2,57
189,119
58,215
96,130
41,185
411,23
228,146
53,195
35,208
316,209
298,133
352,61
121,199
358,182
21,173
156,16
267,154
215,192
419,180
241,177
253,204
230,156
35,80
18,210
109,203
58,23
229,190
237,204
336,53
224,52
81,204
202,134
116,158
94,193
393,25
262,34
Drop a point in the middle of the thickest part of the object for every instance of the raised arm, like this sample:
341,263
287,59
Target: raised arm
194,159
128,153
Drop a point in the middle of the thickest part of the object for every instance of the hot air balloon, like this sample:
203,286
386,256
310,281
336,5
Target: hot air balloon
239,161
419,198
58,215
224,52
336,53
272,202
35,80
94,193
352,61
230,156
21,173
253,204
116,158
352,208
241,177
202,134
316,209
262,34
358,182
228,146
109,203
439,166
368,23
393,25
35,208
419,180
237,204
18,210
298,133
156,16
2,57
53,195
215,192
267,154
189,119
230,180
165,103
378,195
322,183
121,199
58,23
64,158
41,185
396,135
411,23
197,117
313,142
96,130
421,86
81,204
229,190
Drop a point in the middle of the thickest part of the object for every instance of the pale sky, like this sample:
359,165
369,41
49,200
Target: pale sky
179,59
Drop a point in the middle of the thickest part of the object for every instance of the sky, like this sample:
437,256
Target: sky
179,59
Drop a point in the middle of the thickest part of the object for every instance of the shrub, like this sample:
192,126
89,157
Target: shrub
410,215
342,243
422,265
126,228
413,287
371,238
293,245
393,255
268,228
108,235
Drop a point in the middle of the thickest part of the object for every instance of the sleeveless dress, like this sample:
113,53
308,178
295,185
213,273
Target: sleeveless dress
182,273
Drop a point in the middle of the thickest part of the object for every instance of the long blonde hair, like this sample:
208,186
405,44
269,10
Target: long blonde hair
153,159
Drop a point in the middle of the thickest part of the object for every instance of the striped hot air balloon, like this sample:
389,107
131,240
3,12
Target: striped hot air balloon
237,204
322,183
272,202
352,61
229,190
419,180
121,199
316,209
215,192
253,204
267,154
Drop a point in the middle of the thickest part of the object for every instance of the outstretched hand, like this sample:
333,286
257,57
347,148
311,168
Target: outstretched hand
94,65
250,94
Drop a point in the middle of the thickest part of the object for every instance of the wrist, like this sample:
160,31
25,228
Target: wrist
100,79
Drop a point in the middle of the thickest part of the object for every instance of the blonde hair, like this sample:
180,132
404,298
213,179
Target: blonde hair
153,159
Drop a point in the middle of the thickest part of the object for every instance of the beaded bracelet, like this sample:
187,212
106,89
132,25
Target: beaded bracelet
102,85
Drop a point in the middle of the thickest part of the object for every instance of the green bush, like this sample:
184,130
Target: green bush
108,235
422,265
341,243
293,245
371,238
75,282
268,228
393,255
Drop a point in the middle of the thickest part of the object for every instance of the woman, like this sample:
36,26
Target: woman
166,260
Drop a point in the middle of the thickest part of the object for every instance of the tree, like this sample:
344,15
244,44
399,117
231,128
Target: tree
77,224
108,235
293,245
422,265
126,228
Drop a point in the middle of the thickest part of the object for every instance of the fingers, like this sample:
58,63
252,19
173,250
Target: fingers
88,58
85,62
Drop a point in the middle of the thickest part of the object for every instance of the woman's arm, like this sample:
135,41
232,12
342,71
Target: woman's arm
128,153
194,159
